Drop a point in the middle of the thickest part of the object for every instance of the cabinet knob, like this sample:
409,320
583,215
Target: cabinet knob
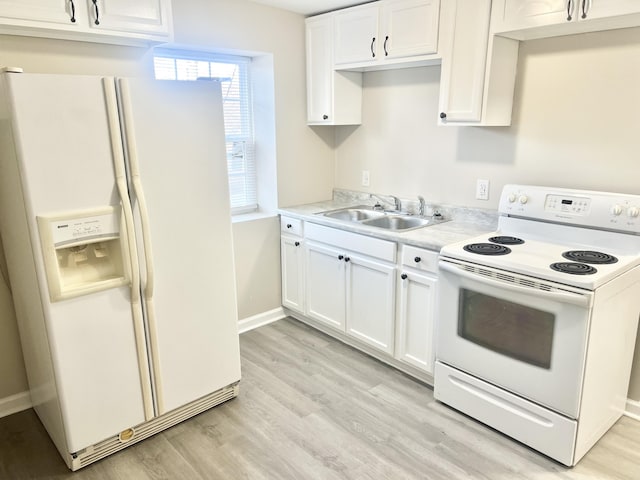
325,117
417,259
404,276
347,259
289,225
340,257
297,244
443,115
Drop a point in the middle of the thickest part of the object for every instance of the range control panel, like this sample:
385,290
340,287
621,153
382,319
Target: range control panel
603,210
567,204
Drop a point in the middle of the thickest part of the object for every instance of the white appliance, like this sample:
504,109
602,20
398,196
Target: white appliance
116,225
538,320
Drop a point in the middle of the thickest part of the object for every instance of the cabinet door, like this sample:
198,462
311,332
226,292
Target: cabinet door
417,297
325,284
292,259
52,11
607,8
519,14
464,62
141,16
319,70
356,34
371,302
409,27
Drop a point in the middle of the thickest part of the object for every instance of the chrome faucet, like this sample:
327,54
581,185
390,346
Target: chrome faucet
422,206
396,201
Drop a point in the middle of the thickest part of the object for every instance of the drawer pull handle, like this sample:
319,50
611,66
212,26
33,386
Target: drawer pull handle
97,20
289,225
340,257
73,12
297,244
417,259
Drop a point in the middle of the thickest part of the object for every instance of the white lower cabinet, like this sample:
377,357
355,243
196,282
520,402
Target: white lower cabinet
351,293
350,284
371,301
292,264
357,287
325,285
292,257
416,315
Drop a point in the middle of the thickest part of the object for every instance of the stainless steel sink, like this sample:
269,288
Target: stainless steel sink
355,214
397,222
366,215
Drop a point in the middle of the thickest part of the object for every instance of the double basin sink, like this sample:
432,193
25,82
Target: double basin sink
367,215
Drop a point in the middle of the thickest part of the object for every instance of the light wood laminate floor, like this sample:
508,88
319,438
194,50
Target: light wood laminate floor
313,408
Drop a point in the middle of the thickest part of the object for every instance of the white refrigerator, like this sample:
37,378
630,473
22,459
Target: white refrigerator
115,219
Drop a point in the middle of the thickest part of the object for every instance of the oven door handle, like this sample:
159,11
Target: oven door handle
581,300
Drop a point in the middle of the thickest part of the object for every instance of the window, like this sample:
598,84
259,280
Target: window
233,72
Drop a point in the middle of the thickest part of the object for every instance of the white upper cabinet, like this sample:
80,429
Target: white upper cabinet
527,19
139,16
382,32
478,69
104,21
356,34
50,11
410,27
333,98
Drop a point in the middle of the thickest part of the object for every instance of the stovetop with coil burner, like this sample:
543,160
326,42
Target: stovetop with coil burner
576,238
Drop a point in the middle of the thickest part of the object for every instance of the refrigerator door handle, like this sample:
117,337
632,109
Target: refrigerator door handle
121,182
134,175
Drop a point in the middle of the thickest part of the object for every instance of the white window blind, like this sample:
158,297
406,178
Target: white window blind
233,72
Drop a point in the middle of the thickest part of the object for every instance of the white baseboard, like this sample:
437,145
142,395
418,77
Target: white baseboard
633,409
14,404
261,319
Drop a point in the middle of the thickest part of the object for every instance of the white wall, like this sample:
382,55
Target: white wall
576,124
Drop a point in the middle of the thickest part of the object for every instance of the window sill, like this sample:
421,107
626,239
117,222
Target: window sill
250,217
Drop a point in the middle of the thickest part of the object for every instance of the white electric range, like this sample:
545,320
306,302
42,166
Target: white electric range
538,320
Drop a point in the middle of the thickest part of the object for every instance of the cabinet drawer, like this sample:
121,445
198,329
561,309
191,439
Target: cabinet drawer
373,247
291,225
420,259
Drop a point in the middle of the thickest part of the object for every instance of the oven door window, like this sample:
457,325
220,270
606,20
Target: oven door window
508,328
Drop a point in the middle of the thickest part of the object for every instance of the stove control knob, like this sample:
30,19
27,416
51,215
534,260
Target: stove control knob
523,199
512,198
633,212
616,210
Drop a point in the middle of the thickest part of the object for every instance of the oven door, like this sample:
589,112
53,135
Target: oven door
519,333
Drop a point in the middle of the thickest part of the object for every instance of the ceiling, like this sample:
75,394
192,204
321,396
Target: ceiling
310,7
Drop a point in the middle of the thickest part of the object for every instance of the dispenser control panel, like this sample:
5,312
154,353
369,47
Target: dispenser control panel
84,229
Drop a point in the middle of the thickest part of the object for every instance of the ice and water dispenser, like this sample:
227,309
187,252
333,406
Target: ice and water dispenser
84,252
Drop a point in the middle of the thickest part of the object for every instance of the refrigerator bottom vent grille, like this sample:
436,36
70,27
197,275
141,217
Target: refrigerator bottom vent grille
156,425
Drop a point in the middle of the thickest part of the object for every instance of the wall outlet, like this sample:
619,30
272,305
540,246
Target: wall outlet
482,189
365,178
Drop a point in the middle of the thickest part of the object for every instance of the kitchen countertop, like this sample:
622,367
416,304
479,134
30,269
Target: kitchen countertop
464,223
